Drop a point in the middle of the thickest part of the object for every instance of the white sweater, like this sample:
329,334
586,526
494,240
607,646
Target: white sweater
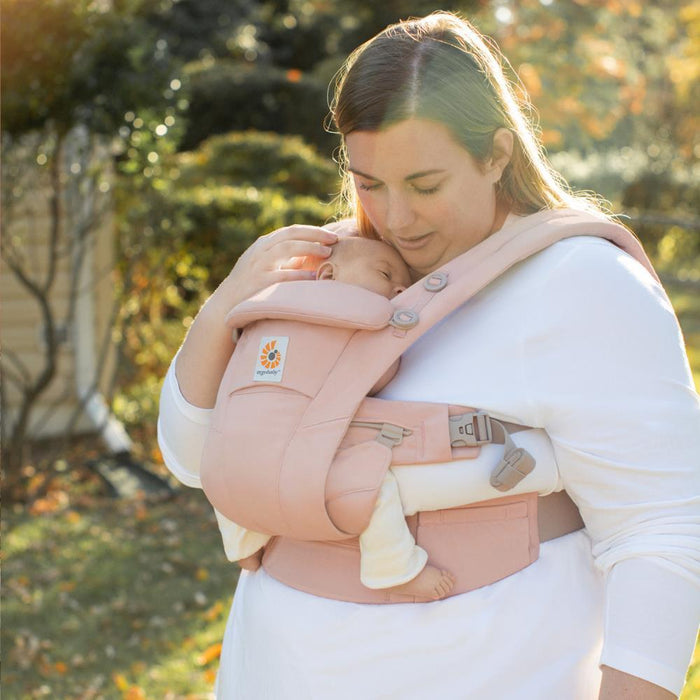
579,341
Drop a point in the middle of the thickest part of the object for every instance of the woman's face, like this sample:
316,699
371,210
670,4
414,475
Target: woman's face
423,192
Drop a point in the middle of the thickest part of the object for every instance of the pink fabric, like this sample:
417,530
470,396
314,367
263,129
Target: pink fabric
266,462
479,544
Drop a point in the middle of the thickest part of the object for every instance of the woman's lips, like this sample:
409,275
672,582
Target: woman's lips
412,243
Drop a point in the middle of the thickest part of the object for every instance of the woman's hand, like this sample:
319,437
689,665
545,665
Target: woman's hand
280,256
277,257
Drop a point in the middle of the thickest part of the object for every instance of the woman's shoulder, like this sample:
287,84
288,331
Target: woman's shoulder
587,262
587,246
584,285
605,303
575,276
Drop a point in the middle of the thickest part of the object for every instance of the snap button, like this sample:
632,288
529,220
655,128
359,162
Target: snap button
404,319
435,282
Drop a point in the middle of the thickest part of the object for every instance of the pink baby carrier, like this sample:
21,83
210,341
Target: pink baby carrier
297,450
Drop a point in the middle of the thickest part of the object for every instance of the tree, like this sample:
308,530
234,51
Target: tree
613,84
64,100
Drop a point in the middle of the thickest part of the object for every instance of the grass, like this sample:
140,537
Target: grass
118,599
127,600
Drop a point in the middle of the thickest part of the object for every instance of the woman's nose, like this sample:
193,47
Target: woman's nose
399,213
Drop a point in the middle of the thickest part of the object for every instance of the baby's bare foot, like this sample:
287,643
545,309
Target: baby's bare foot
430,583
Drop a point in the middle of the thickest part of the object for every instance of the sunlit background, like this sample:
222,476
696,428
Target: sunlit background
145,144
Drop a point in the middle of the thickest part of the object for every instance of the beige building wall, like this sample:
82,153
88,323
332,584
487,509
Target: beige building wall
27,226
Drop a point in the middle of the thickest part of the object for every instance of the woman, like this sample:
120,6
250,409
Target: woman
578,340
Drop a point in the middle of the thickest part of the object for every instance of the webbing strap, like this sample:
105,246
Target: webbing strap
328,415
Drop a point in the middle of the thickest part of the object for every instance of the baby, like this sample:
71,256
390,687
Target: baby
390,558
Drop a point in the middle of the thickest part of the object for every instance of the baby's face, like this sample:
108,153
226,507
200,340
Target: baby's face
371,264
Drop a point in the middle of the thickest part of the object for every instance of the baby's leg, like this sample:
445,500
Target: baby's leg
251,563
390,557
241,545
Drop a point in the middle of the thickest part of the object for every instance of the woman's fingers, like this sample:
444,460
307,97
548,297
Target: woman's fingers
299,232
287,254
275,250
300,249
288,275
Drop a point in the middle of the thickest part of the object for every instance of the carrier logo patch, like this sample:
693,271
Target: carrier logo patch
271,357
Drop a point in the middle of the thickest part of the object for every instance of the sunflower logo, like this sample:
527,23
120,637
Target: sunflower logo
270,357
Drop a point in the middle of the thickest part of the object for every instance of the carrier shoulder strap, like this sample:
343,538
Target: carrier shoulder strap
418,309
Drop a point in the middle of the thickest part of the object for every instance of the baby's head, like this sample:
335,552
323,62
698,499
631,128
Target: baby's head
368,263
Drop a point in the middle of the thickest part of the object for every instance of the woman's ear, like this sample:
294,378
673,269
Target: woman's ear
326,271
501,152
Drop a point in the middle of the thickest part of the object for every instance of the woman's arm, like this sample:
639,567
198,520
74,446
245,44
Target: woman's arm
191,384
613,389
208,346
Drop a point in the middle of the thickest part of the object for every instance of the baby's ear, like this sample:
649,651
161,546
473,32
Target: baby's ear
326,271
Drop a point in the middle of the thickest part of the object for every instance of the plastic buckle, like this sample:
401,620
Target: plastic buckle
512,469
470,429
392,435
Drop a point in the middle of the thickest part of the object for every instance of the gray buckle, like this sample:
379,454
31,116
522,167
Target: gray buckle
389,434
392,435
512,469
470,429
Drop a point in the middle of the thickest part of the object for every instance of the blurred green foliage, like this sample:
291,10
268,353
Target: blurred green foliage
659,203
69,62
229,95
177,86
237,186
190,220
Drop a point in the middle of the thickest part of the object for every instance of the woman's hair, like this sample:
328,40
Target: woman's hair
440,68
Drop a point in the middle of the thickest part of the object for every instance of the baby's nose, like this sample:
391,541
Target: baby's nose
398,289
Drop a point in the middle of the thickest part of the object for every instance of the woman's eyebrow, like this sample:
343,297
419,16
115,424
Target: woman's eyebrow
413,176
361,174
424,173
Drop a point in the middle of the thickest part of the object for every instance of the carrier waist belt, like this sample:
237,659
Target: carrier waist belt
479,544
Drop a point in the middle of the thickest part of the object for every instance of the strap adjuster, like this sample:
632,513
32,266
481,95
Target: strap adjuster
389,434
470,429
512,469
392,435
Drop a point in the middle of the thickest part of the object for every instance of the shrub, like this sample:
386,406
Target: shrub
238,186
264,160
228,95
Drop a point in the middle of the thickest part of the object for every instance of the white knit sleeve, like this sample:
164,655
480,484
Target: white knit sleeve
182,429
612,384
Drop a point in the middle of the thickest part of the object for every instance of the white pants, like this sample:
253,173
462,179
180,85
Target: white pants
535,635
